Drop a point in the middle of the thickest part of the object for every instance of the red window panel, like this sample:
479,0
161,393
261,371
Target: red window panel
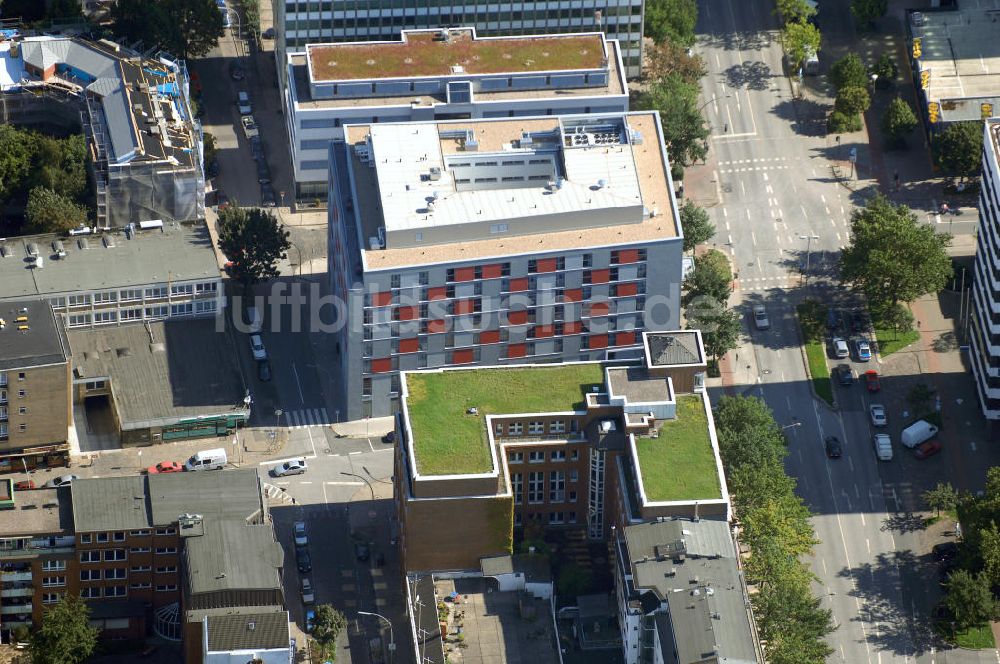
516,350
465,273
406,313
542,331
597,341
518,285
625,290
572,327
517,317
572,294
437,293
545,265
409,345
382,365
489,337
463,307
628,256
599,308
436,326
382,299
625,338
492,271
600,276
463,356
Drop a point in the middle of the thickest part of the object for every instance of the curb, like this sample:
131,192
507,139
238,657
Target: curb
812,387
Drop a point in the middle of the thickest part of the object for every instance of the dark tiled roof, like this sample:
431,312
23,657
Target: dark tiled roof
263,631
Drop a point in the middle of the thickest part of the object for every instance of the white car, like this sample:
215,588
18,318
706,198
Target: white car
291,467
257,347
299,531
62,480
840,349
249,126
877,412
307,591
760,319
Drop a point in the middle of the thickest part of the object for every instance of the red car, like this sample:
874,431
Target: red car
872,381
930,448
165,467
24,485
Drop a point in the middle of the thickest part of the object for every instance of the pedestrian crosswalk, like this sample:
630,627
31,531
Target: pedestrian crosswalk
307,417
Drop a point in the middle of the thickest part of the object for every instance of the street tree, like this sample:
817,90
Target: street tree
960,148
852,100
720,327
327,627
898,121
969,598
685,133
885,68
668,57
989,551
711,276
941,497
16,151
892,257
867,11
51,212
795,10
65,635
695,225
896,317
849,72
801,38
185,28
254,241
671,19
919,397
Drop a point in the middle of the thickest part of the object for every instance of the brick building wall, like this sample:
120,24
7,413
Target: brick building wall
35,405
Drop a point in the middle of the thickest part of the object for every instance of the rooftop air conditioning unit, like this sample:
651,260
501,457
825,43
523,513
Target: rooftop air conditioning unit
435,173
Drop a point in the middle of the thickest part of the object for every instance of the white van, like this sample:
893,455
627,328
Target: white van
917,433
207,460
883,447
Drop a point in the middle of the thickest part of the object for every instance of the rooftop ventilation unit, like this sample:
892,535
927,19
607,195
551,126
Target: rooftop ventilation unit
83,243
471,142
32,249
59,249
109,241
435,173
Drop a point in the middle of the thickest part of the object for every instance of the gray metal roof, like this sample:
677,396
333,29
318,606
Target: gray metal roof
232,555
38,512
673,348
252,631
164,372
111,503
230,494
44,343
181,252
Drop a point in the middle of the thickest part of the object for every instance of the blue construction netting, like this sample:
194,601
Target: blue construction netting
167,89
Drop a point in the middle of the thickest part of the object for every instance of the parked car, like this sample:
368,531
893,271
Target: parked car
945,551
872,381
290,467
927,449
267,195
834,450
361,551
25,485
307,591
214,459
257,347
243,102
62,480
263,172
840,349
249,126
883,446
299,533
302,560
389,438
877,413
844,375
264,371
257,148
310,620
833,319
165,467
863,350
858,322
760,319
235,71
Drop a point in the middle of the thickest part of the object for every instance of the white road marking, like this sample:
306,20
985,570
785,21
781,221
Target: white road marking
302,399
754,238
346,483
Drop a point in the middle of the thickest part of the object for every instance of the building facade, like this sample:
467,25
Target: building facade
413,79
301,22
497,242
985,324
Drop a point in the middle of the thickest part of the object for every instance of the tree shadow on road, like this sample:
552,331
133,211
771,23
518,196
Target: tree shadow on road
903,522
742,41
752,75
807,116
946,342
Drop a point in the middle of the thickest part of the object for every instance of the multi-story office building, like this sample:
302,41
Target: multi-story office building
138,274
301,22
35,399
496,242
424,76
588,447
986,284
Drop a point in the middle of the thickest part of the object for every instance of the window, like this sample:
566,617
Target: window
574,455
142,585
140,568
3,413
556,518
139,533
498,228
536,488
114,554
166,587
130,314
515,429
22,427
156,291
53,565
517,487
85,538
79,300
571,517
574,475
166,531
536,457
50,598
91,592
91,385
90,575
102,538
90,556
559,455
21,375
557,486
139,549
166,569
79,320
116,573
3,378
53,581
131,294
517,519
182,309
159,311
21,410
206,287
536,428
22,393
166,549
115,591
516,457
572,496
102,317
119,536
181,289
557,426
106,296
3,396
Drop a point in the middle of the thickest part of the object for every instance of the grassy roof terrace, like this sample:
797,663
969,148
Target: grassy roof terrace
422,55
449,441
680,463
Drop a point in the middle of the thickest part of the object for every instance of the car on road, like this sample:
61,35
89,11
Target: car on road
840,349
834,450
235,71
877,413
299,533
833,319
302,560
927,449
872,381
249,126
263,172
760,319
361,551
310,620
307,591
290,467
165,467
25,485
263,371
844,375
257,347
389,438
267,195
858,322
62,480
863,350
945,551
243,102
883,446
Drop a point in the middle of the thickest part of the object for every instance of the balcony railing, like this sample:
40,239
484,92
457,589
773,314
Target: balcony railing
14,577
15,610
27,591
33,551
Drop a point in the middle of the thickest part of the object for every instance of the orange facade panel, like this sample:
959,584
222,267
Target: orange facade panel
626,290
465,273
542,331
628,256
624,338
597,341
489,337
437,293
464,356
436,326
407,313
600,276
382,299
518,285
382,365
516,350
545,265
463,307
517,317
409,345
572,327
494,271
572,294
599,308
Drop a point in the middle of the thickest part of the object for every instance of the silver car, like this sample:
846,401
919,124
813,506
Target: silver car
877,412
760,319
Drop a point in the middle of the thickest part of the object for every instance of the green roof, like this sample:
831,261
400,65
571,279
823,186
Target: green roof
680,463
449,441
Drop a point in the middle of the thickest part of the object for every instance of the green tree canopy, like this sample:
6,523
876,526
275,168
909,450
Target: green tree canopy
16,150
852,100
795,10
960,148
801,38
892,257
254,240
969,598
720,327
185,28
885,68
989,551
684,130
867,11
50,212
849,72
327,626
695,225
671,19
65,635
898,121
941,497
668,57
711,276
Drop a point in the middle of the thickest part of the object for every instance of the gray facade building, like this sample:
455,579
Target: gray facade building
985,337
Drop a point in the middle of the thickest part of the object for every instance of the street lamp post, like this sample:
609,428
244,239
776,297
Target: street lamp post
392,640
363,479
808,239
239,31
